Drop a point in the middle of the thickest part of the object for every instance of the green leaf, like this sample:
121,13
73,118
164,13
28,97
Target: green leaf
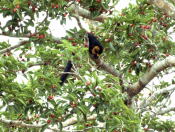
84,109
115,117
27,88
79,82
21,101
44,127
39,102
61,126
23,95
11,22
81,90
10,96
86,100
72,97
105,6
111,46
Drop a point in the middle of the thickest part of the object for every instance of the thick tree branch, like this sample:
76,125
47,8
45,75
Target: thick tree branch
93,24
108,68
86,14
150,74
68,122
114,72
105,66
165,6
73,120
20,123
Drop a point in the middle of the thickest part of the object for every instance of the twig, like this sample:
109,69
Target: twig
42,22
78,21
44,19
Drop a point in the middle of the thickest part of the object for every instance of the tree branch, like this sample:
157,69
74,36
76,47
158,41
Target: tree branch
15,46
78,21
68,122
105,66
162,111
150,74
73,120
86,14
164,5
42,21
93,24
155,94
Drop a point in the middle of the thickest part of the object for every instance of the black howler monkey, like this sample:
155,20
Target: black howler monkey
95,48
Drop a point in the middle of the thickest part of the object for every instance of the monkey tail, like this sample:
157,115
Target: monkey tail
67,69
64,75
